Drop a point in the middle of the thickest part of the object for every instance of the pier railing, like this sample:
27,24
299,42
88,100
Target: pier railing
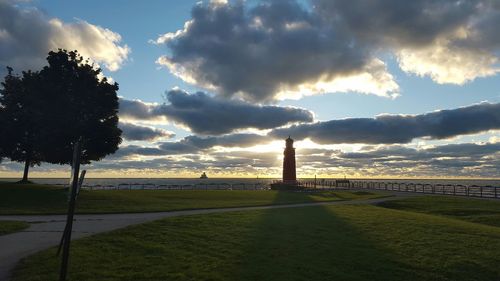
486,191
197,186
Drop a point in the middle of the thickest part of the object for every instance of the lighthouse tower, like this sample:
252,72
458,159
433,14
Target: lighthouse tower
289,174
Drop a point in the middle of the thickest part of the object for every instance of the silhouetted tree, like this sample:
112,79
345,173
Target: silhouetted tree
81,104
43,114
20,115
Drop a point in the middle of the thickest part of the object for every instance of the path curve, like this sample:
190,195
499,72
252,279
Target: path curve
45,230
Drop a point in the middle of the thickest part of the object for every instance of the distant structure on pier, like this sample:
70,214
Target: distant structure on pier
289,169
203,176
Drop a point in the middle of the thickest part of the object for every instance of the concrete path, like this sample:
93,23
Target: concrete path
45,230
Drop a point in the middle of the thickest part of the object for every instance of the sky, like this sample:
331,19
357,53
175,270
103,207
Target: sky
379,88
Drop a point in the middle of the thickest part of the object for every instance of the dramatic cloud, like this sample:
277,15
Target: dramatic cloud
448,64
464,159
218,166
270,50
465,150
451,41
138,110
141,133
136,150
27,35
194,144
462,150
414,23
207,115
286,49
387,129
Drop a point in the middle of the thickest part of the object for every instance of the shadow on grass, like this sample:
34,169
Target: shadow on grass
312,243
308,243
367,243
467,209
32,199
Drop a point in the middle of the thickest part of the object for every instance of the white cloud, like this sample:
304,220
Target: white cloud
450,41
27,35
446,63
372,79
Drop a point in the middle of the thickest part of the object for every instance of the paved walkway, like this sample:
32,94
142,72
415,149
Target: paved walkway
46,230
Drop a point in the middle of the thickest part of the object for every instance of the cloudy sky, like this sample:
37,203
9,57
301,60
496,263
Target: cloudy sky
367,88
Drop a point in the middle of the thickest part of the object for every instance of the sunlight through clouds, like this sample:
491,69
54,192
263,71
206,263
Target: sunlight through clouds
219,85
374,80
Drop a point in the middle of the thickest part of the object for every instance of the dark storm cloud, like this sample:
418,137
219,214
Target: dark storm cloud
142,133
259,51
208,115
387,129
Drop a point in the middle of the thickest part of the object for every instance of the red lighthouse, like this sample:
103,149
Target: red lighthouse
289,174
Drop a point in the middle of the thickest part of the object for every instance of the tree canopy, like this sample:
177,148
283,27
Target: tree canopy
20,117
43,114
84,105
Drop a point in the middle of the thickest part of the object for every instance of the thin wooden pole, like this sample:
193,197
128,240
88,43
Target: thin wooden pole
71,212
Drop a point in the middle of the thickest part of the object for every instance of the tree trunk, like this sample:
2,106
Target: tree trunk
26,170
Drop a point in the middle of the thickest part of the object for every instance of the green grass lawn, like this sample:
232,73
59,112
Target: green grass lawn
7,227
41,199
356,242
473,210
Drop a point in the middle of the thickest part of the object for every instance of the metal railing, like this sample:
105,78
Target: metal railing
197,186
486,191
